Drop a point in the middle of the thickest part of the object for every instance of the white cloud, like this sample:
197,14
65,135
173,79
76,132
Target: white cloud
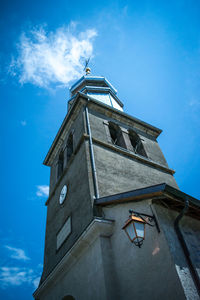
23,123
17,253
36,282
42,191
17,276
47,58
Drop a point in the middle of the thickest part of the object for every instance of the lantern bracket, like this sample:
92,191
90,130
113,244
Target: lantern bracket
151,219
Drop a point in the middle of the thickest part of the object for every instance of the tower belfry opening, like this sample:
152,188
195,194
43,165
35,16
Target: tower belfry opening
60,164
105,163
116,135
69,146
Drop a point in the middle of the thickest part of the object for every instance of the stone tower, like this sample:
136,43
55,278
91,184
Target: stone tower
99,152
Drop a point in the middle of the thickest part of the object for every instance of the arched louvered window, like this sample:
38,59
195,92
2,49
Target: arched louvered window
116,135
136,143
60,164
70,147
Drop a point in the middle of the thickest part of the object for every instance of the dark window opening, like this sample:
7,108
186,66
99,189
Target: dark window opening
68,298
60,164
70,146
116,135
136,143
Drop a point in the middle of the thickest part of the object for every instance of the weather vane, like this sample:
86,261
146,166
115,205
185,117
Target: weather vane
86,68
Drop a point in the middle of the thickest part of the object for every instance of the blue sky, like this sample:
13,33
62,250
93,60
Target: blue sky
149,51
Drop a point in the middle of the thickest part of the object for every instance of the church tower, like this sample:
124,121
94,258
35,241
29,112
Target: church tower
98,159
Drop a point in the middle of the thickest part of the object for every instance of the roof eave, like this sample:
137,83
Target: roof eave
146,193
92,78
104,89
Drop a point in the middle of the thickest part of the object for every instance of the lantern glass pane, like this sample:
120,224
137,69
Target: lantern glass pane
130,230
139,229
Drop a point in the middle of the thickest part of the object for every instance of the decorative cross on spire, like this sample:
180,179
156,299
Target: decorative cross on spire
87,69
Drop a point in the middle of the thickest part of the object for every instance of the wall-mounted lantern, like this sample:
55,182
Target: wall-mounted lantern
135,226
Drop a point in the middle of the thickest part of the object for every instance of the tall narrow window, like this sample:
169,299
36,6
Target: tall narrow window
70,146
116,135
60,165
136,143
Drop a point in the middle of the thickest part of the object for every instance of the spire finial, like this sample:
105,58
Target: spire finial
87,69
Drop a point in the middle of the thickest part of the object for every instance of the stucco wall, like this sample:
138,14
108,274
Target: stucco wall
98,127
77,205
114,268
146,272
190,229
119,173
76,126
84,280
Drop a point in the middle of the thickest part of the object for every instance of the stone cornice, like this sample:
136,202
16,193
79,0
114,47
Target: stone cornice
134,155
115,148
